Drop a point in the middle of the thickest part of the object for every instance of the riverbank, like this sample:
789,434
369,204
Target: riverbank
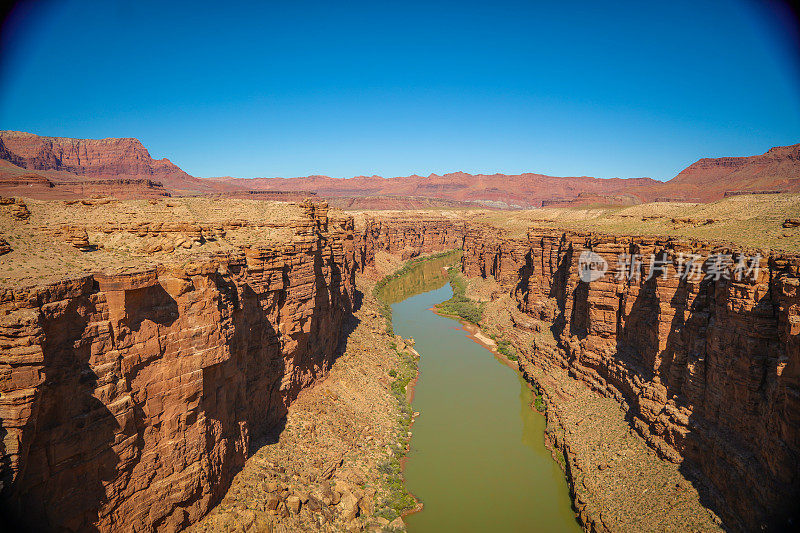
412,277
617,482
336,464
354,428
323,470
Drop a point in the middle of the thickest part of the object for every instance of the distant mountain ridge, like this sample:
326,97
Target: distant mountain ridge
95,159
65,159
513,190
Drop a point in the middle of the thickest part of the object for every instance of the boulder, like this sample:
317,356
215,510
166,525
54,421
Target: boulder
293,503
348,506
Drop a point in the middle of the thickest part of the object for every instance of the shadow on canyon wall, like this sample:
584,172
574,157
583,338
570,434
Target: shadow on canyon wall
80,455
723,370
70,435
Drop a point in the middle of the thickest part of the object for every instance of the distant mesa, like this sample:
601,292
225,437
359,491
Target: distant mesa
89,166
59,167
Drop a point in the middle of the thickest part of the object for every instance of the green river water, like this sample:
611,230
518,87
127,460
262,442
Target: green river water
477,459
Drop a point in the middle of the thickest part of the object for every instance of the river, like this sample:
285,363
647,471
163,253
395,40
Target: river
477,459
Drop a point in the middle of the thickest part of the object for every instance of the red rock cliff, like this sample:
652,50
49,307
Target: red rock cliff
145,389
95,158
708,371
409,236
128,401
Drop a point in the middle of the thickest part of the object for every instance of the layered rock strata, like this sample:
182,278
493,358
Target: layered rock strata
708,370
96,158
128,400
408,236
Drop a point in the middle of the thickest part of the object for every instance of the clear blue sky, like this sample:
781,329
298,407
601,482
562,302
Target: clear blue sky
294,88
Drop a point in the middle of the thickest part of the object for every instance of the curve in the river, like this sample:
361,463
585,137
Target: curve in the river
478,460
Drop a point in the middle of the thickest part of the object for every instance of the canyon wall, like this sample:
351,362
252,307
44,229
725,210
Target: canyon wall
100,158
408,236
707,370
129,400
26,155
31,185
123,158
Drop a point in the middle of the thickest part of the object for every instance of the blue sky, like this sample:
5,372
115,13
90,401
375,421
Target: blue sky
617,89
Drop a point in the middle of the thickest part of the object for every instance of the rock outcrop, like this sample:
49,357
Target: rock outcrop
408,236
128,400
17,207
708,370
74,235
34,186
706,180
123,158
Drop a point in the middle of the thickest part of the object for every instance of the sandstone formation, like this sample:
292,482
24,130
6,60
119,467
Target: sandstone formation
408,236
74,235
495,190
282,196
706,180
318,474
147,384
708,370
394,202
33,186
774,171
95,158
129,399
17,207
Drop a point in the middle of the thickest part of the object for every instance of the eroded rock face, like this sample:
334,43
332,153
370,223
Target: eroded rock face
123,158
73,235
129,399
708,371
409,237
17,207
90,157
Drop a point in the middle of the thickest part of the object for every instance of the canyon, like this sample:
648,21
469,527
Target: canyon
130,396
156,328
707,372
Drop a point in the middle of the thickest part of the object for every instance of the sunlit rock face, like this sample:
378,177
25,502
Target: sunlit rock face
129,399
